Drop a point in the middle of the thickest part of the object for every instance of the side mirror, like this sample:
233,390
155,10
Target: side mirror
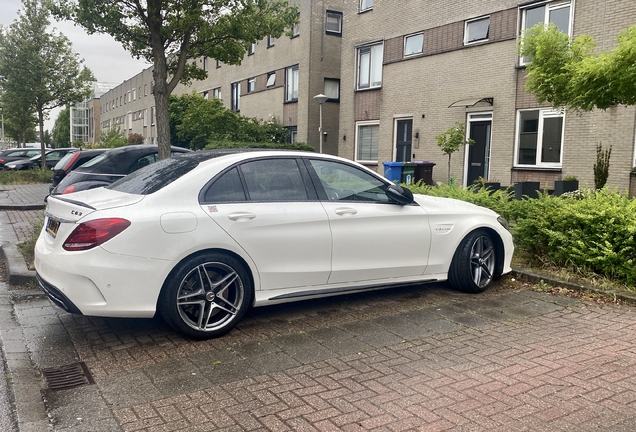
400,195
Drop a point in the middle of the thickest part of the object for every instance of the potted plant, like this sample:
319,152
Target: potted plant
568,184
527,188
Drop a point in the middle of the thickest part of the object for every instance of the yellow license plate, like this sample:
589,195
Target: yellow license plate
52,226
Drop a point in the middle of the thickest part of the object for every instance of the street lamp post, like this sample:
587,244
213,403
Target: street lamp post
321,99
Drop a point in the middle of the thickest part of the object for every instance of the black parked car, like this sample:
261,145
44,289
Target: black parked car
71,161
52,158
12,155
109,167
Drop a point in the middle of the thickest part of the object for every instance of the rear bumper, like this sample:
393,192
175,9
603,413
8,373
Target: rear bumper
57,297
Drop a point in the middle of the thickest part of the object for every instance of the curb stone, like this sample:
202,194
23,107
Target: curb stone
17,271
537,277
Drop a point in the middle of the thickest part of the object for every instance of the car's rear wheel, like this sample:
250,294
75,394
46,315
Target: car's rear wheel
206,296
474,263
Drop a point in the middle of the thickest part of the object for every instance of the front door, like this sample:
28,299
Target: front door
403,140
479,152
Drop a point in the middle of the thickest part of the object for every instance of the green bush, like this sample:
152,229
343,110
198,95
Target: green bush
254,145
35,175
595,232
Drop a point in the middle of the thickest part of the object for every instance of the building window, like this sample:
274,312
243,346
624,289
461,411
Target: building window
293,134
413,44
271,79
557,13
271,41
296,28
333,24
251,85
134,94
540,137
366,5
218,63
152,116
291,84
145,90
332,89
206,95
251,49
145,117
205,63
476,30
216,93
370,66
367,139
236,96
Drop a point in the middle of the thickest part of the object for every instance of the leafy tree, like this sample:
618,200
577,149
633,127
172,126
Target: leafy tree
54,76
451,141
196,121
48,139
569,73
62,128
19,120
113,137
170,33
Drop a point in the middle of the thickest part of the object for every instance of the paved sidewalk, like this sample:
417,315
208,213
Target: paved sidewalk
23,197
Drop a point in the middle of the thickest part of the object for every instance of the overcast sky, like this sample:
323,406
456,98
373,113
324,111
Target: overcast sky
101,53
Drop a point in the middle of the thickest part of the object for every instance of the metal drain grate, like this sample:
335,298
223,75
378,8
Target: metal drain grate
68,377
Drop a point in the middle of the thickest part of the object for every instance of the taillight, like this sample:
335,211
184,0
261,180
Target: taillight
69,189
71,161
90,234
1,160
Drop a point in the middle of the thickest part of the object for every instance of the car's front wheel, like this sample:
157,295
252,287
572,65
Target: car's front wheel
206,296
474,263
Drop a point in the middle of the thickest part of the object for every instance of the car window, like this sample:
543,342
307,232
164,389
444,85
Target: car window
95,160
226,188
55,155
16,153
63,161
144,161
150,179
343,182
274,180
32,153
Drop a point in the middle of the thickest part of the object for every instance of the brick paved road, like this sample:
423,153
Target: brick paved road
419,358
24,221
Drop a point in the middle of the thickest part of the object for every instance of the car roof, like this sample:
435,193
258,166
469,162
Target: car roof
118,160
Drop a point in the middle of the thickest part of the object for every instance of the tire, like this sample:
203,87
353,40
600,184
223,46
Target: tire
474,264
206,296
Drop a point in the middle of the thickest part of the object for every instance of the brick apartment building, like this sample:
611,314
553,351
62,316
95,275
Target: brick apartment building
400,72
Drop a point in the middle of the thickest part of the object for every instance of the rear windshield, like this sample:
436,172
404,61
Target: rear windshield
151,178
60,165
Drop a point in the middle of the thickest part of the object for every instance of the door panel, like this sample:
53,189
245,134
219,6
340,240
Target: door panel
373,238
403,141
478,152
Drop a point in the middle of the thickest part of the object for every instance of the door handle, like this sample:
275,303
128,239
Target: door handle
241,216
346,211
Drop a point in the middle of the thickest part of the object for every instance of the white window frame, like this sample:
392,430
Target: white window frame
358,125
152,116
296,28
251,49
421,46
359,53
205,63
337,14
543,114
251,85
216,93
477,117
291,78
271,41
366,5
145,117
467,25
549,6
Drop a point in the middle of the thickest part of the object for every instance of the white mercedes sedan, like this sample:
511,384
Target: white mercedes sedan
201,237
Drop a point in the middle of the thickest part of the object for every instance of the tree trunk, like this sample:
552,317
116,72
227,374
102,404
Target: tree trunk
449,171
41,125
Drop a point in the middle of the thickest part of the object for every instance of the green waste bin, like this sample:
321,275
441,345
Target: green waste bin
424,172
408,171
393,171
